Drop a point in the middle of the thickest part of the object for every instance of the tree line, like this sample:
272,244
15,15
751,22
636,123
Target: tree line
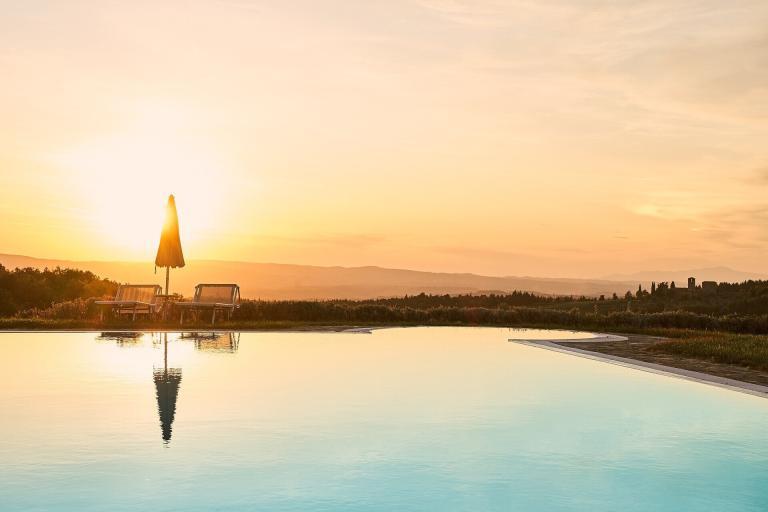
739,307
377,312
30,288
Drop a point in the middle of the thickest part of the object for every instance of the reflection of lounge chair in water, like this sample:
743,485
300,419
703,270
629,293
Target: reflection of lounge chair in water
133,299
122,338
214,341
212,297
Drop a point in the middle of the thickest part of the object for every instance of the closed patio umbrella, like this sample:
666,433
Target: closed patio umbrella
169,253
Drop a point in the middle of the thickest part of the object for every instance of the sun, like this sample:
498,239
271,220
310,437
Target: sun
124,180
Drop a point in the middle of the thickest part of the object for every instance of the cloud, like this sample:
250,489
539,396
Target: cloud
716,221
739,227
676,63
353,240
677,205
759,176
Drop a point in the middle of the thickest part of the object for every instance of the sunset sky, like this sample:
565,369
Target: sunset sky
553,138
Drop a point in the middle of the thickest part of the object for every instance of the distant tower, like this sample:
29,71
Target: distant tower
691,283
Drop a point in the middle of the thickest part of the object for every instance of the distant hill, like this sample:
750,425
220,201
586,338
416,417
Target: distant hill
280,281
719,274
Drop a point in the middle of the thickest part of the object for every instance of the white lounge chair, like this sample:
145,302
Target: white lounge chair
133,299
214,297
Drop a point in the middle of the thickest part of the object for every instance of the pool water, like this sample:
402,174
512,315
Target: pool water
394,420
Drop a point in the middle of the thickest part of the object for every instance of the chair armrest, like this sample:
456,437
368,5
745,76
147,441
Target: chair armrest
204,304
190,304
123,303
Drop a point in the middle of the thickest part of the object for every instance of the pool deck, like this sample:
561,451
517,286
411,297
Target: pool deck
669,371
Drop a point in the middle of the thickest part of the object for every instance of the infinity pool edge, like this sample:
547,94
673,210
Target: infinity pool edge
669,371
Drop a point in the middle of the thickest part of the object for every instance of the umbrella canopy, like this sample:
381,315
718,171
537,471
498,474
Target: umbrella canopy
169,253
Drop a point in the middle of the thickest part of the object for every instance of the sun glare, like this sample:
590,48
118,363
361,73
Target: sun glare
124,180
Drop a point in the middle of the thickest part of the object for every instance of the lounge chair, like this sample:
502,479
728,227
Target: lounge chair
214,297
133,299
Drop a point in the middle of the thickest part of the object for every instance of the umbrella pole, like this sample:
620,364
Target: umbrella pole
167,272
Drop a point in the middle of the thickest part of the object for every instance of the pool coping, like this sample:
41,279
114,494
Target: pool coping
330,329
658,369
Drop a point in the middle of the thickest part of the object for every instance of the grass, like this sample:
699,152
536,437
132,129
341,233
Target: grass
736,349
34,324
38,324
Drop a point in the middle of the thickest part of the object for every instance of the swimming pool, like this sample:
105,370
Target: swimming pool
396,419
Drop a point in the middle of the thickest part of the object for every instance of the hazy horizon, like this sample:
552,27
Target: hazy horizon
497,138
642,274
280,281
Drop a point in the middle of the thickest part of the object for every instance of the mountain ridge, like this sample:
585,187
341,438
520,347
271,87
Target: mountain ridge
282,281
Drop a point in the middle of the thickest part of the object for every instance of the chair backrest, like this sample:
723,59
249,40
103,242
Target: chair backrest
220,293
138,292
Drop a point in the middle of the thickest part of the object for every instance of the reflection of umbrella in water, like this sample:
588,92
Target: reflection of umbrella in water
167,383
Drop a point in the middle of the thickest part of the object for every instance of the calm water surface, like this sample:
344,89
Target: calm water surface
400,419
